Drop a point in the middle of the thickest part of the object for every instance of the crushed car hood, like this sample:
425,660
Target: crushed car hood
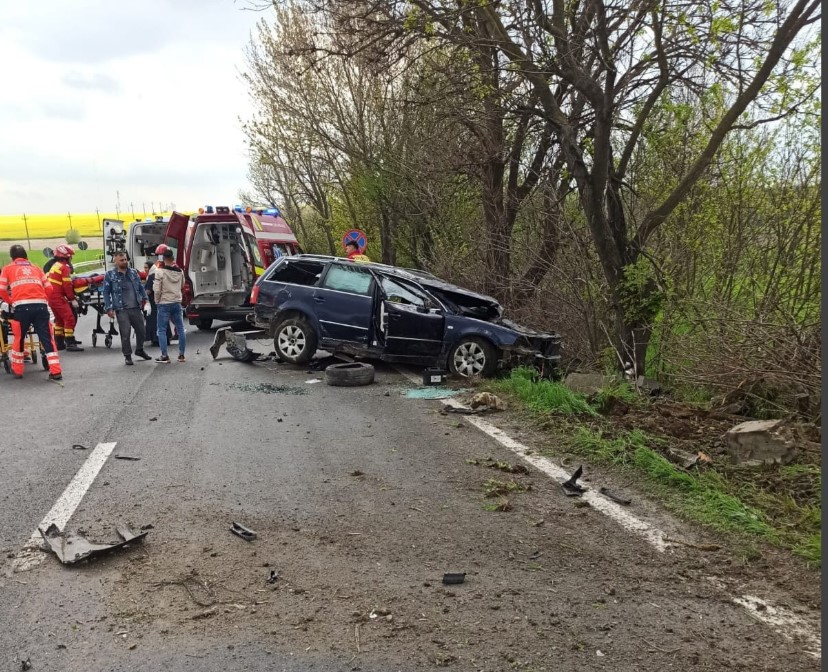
465,302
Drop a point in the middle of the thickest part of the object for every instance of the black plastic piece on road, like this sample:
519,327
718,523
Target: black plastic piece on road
244,532
127,457
72,548
78,446
274,576
571,487
452,578
615,498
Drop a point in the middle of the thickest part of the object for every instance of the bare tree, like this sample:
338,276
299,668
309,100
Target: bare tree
598,70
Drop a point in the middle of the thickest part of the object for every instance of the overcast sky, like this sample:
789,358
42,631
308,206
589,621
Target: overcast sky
140,96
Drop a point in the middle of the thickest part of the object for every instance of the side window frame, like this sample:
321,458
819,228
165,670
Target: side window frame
371,280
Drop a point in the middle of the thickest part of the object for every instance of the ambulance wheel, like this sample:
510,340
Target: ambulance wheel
108,341
7,365
94,340
44,362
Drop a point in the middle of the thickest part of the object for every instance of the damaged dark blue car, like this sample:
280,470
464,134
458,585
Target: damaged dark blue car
309,302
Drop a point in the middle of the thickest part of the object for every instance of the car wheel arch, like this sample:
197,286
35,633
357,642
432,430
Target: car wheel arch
287,314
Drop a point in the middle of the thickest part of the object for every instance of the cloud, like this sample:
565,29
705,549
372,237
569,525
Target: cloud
145,100
97,81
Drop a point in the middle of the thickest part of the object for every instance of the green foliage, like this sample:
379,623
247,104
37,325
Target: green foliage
543,396
701,498
640,295
615,390
811,549
73,236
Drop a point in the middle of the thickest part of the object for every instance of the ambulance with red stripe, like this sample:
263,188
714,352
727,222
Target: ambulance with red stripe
223,251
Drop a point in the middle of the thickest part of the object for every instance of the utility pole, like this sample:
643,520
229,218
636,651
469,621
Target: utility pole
26,224
69,214
144,208
133,209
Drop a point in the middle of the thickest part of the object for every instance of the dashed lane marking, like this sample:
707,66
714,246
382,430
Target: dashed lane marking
32,554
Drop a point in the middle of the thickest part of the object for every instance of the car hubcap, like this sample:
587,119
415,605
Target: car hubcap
469,359
292,341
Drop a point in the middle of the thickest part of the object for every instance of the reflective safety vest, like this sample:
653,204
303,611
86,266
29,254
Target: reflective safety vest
22,283
60,277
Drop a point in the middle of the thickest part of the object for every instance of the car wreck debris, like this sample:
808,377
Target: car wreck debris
274,576
434,376
241,531
78,446
571,487
236,344
351,374
615,498
72,548
127,457
453,578
487,401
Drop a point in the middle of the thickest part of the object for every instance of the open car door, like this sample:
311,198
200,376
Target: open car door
411,323
174,235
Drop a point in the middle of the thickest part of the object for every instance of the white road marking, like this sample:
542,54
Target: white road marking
64,507
783,621
651,534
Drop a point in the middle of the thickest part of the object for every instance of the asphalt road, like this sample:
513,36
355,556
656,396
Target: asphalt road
361,499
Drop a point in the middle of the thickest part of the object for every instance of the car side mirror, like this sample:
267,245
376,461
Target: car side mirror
423,309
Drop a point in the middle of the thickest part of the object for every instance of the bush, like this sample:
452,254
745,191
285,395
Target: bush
73,236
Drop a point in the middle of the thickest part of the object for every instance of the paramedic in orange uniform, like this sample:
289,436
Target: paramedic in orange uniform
62,300
26,289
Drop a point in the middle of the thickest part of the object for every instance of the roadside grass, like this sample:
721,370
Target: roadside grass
615,390
710,497
779,505
38,259
543,396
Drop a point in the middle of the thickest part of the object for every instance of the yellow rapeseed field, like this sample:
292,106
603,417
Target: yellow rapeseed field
12,227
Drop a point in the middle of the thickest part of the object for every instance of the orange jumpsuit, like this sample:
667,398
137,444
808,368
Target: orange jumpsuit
63,293
26,289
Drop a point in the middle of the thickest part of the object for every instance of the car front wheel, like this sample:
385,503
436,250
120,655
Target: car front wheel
473,357
295,340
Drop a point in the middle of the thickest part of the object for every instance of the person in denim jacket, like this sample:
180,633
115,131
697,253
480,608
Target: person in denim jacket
125,298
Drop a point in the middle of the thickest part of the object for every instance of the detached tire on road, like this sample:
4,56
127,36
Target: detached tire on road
349,375
295,340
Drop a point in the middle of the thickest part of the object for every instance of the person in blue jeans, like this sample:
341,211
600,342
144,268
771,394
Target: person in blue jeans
167,288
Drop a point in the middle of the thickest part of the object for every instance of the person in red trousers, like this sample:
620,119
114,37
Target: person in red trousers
26,289
62,300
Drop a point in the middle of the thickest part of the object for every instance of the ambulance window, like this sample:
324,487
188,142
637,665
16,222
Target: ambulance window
254,248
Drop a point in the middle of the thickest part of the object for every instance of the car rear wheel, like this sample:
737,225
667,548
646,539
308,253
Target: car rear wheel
204,324
295,340
473,357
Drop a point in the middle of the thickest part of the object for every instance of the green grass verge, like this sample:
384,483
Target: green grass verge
779,505
543,396
709,497
38,259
